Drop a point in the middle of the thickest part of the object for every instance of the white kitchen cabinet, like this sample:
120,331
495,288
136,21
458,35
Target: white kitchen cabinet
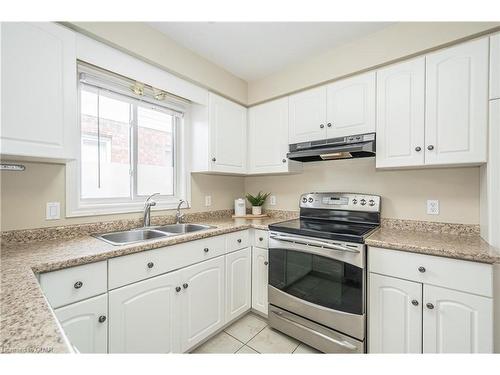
203,301
395,315
268,139
307,115
219,136
495,66
456,112
85,324
238,283
351,106
260,261
145,316
39,91
456,322
401,114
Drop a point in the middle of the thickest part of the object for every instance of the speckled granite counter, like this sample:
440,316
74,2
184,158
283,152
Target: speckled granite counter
27,323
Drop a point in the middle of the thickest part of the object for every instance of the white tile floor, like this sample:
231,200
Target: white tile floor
252,335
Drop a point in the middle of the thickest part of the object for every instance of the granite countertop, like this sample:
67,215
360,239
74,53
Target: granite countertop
27,323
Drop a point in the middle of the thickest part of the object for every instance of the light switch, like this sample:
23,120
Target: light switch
272,200
53,211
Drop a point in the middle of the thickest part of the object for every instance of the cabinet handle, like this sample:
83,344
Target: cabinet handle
266,263
421,269
430,147
185,285
151,265
283,160
78,285
430,306
414,302
177,289
418,148
214,159
206,249
239,240
261,239
329,124
322,126
102,319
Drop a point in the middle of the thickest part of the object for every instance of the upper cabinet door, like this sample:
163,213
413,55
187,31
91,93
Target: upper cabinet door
268,137
86,324
401,114
307,115
457,104
456,322
144,317
228,135
495,66
39,86
395,315
203,311
351,106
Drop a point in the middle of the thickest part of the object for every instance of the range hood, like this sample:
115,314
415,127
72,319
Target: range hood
354,146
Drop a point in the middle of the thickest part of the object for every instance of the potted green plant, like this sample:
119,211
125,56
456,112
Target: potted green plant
257,202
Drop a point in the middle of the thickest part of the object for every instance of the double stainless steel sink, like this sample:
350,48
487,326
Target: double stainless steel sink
150,233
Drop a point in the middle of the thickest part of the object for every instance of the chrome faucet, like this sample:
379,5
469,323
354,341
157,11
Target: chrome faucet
178,216
146,222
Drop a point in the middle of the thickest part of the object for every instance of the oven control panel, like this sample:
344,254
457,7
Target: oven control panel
341,201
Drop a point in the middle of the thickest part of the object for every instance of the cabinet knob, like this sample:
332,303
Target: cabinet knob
329,124
185,285
206,249
418,148
430,147
283,160
261,239
414,302
430,306
421,269
177,289
266,263
102,319
239,240
214,159
151,265
78,285
322,126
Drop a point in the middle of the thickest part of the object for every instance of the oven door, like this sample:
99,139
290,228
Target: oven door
321,280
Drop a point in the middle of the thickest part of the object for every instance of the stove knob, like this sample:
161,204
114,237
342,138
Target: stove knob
350,139
363,202
371,202
358,138
354,201
310,200
304,200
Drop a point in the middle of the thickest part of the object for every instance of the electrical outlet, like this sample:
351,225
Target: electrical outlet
432,207
208,200
53,211
272,200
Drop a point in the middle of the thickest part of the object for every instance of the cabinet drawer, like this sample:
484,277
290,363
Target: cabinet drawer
74,284
455,274
260,238
134,267
237,240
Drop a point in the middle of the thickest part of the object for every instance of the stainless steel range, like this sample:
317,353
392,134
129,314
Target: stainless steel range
317,271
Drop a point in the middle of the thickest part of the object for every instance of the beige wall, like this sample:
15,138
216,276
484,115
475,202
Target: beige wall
389,44
404,192
146,43
24,194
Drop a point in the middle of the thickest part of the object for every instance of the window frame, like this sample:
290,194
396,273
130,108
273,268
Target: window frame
76,206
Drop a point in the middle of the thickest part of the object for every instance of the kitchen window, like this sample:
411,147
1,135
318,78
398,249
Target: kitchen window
131,145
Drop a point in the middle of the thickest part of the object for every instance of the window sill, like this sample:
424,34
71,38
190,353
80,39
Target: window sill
120,208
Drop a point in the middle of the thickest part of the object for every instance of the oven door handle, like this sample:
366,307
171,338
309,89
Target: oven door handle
344,344
313,242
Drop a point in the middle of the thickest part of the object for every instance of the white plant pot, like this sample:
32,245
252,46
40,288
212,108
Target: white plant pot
256,210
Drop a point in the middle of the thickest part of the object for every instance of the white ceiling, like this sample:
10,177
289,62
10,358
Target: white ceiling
253,50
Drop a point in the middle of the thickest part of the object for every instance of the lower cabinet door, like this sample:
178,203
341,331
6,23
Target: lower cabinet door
203,310
86,324
238,283
144,317
394,315
260,261
456,322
